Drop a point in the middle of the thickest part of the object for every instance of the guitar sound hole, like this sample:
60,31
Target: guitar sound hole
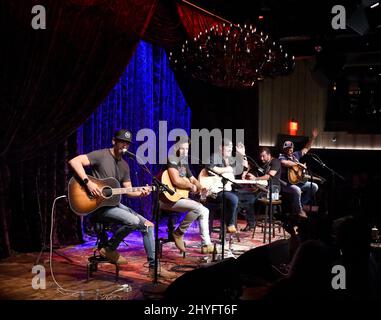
107,192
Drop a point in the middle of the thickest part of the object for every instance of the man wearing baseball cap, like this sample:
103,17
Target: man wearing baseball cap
107,163
301,193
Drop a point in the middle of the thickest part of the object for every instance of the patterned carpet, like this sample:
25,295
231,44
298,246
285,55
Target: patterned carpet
72,275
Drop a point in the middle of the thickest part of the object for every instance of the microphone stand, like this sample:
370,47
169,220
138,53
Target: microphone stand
258,167
159,187
333,172
271,209
311,181
224,181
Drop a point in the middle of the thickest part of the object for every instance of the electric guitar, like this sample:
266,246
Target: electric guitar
297,174
83,203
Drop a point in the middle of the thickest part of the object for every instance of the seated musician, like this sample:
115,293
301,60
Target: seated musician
107,163
223,162
271,168
177,169
301,193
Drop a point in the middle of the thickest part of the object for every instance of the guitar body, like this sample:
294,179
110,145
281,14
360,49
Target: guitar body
82,203
213,183
296,174
179,193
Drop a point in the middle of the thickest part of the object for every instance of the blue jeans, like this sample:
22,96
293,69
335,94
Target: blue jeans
250,212
231,206
300,194
129,221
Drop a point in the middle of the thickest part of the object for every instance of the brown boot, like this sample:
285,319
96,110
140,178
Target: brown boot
113,256
208,248
231,229
302,214
179,241
162,273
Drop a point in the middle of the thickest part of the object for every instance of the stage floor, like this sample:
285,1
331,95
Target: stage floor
16,271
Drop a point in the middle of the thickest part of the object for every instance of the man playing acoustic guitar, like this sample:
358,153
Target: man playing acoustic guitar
107,163
301,193
182,178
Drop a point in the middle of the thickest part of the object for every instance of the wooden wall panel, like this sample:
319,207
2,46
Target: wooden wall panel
301,97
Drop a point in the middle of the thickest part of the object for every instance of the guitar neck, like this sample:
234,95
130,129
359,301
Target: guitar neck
308,177
256,181
127,190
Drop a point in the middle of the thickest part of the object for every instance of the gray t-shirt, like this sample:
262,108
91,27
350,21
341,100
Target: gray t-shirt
104,165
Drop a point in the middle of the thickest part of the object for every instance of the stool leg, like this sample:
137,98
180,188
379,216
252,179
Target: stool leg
116,272
171,228
265,225
272,223
161,249
88,271
255,226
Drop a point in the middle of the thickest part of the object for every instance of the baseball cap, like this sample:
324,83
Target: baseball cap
124,135
288,144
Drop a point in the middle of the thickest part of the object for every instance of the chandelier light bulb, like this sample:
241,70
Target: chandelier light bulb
240,61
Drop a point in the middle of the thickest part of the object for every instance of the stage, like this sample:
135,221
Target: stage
16,271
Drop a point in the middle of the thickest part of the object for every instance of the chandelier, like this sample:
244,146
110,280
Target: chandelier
231,56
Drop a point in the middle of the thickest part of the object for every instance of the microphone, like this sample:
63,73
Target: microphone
128,153
257,166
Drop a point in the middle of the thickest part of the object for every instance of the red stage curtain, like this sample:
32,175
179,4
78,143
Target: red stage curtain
52,80
195,20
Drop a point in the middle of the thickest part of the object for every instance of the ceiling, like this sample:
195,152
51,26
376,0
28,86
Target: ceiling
304,27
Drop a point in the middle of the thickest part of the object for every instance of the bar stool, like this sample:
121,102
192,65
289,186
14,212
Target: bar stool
170,215
265,222
93,261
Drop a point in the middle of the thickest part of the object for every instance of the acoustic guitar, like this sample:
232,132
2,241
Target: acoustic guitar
83,203
298,174
214,184
179,193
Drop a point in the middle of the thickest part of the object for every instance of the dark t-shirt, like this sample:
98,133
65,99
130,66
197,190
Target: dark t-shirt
294,157
274,164
181,165
104,165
